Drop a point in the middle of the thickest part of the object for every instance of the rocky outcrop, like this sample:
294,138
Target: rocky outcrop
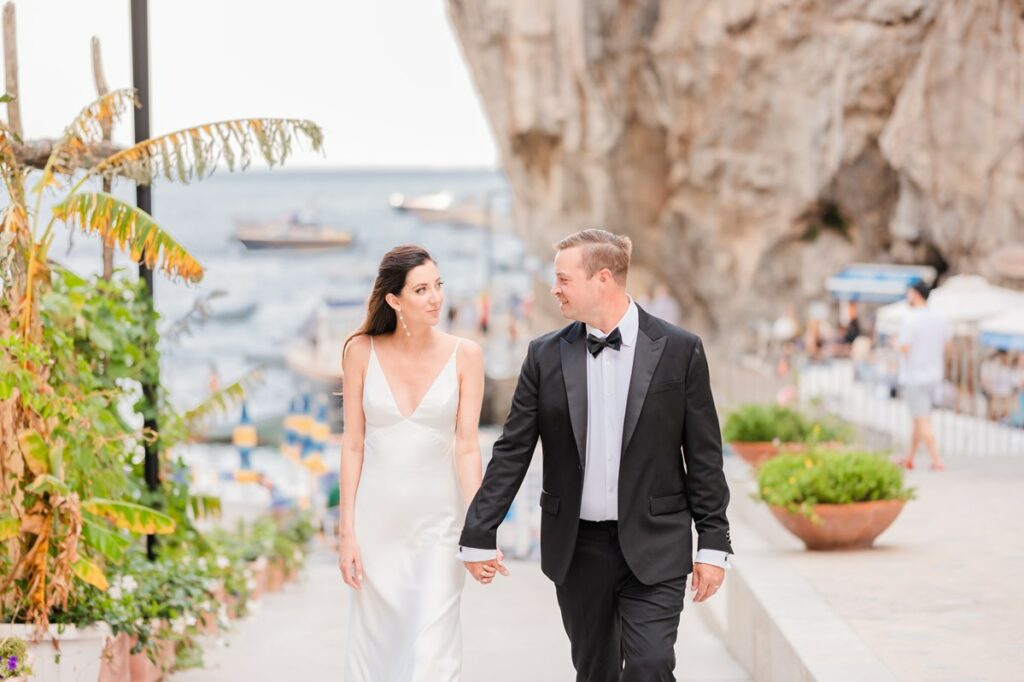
755,146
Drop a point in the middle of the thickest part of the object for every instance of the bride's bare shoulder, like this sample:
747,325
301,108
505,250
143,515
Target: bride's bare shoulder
357,352
469,350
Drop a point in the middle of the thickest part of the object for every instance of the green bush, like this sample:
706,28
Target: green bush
766,422
800,481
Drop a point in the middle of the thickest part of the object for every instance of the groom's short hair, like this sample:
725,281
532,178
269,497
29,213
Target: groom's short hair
601,249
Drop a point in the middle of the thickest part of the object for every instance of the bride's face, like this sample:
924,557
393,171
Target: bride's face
422,297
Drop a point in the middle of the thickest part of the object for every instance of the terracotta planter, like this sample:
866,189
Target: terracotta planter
275,575
755,453
145,670
116,663
208,622
758,452
842,526
80,652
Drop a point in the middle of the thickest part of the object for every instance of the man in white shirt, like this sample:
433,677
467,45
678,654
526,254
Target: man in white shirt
924,336
632,462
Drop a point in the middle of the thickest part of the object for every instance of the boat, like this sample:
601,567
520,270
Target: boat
294,232
316,354
442,207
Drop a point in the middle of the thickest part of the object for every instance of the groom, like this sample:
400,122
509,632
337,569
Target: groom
614,397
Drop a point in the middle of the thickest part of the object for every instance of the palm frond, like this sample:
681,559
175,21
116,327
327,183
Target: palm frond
223,400
131,229
87,129
130,516
193,153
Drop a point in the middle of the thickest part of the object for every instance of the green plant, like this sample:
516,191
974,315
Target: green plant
758,422
800,481
13,658
73,353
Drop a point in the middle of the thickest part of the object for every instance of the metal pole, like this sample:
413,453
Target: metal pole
144,200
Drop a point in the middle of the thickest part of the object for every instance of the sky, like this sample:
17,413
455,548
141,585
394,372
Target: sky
385,79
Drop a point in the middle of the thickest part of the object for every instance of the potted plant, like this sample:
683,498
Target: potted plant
833,499
14,659
757,431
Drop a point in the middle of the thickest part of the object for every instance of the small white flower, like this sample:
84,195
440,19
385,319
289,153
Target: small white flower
129,584
250,584
190,620
248,573
298,555
178,626
186,560
223,562
115,591
206,607
201,562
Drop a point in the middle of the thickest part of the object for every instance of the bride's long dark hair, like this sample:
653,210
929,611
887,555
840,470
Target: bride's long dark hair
391,274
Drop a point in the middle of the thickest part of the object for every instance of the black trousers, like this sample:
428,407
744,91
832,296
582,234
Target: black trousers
620,629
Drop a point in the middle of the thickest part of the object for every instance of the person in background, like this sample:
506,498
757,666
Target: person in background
662,305
922,344
1000,382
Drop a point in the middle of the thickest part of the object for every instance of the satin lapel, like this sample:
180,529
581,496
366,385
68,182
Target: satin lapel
645,361
574,375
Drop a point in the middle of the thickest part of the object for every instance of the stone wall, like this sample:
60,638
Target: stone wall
752,147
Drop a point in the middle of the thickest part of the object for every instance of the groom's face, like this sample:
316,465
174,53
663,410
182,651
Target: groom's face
576,293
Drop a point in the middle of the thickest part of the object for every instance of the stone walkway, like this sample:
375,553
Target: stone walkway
940,597
512,632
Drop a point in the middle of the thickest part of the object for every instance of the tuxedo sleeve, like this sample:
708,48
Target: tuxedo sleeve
509,461
706,486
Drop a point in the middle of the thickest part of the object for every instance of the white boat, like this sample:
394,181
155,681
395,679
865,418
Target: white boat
316,354
442,207
294,232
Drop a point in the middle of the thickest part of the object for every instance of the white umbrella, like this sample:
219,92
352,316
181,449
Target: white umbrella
1005,331
964,300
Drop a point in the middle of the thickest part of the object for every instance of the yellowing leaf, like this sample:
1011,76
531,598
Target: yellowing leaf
9,528
131,230
90,573
130,516
37,455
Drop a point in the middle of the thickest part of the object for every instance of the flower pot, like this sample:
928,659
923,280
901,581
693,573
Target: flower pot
145,670
115,666
62,655
275,575
755,453
841,526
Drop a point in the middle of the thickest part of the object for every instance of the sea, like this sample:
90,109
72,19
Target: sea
286,286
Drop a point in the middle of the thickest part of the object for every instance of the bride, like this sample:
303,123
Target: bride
410,465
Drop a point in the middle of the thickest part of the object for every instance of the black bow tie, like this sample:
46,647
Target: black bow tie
595,344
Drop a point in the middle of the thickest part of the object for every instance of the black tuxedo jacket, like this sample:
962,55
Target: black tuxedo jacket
669,407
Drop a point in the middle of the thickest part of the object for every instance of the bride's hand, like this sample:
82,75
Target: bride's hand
351,563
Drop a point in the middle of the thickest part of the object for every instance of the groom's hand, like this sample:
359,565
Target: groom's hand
483,571
706,581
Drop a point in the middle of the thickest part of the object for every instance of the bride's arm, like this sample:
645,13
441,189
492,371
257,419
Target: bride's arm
353,367
470,361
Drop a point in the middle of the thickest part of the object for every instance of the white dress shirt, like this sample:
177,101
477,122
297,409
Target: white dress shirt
608,378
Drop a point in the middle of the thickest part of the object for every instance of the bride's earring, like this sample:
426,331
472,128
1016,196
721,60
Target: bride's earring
402,320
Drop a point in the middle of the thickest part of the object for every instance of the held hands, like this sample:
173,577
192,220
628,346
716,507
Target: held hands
483,571
706,581
351,563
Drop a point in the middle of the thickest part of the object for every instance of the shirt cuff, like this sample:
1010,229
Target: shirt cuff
474,554
715,557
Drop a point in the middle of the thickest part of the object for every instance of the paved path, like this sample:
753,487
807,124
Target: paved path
512,633
940,597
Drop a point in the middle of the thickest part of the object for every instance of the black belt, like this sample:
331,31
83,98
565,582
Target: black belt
607,528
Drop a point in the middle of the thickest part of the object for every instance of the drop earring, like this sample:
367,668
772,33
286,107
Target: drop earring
402,320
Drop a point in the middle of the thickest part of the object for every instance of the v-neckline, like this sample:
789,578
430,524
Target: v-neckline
391,392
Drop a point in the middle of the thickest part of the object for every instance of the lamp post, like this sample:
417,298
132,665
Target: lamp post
144,200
